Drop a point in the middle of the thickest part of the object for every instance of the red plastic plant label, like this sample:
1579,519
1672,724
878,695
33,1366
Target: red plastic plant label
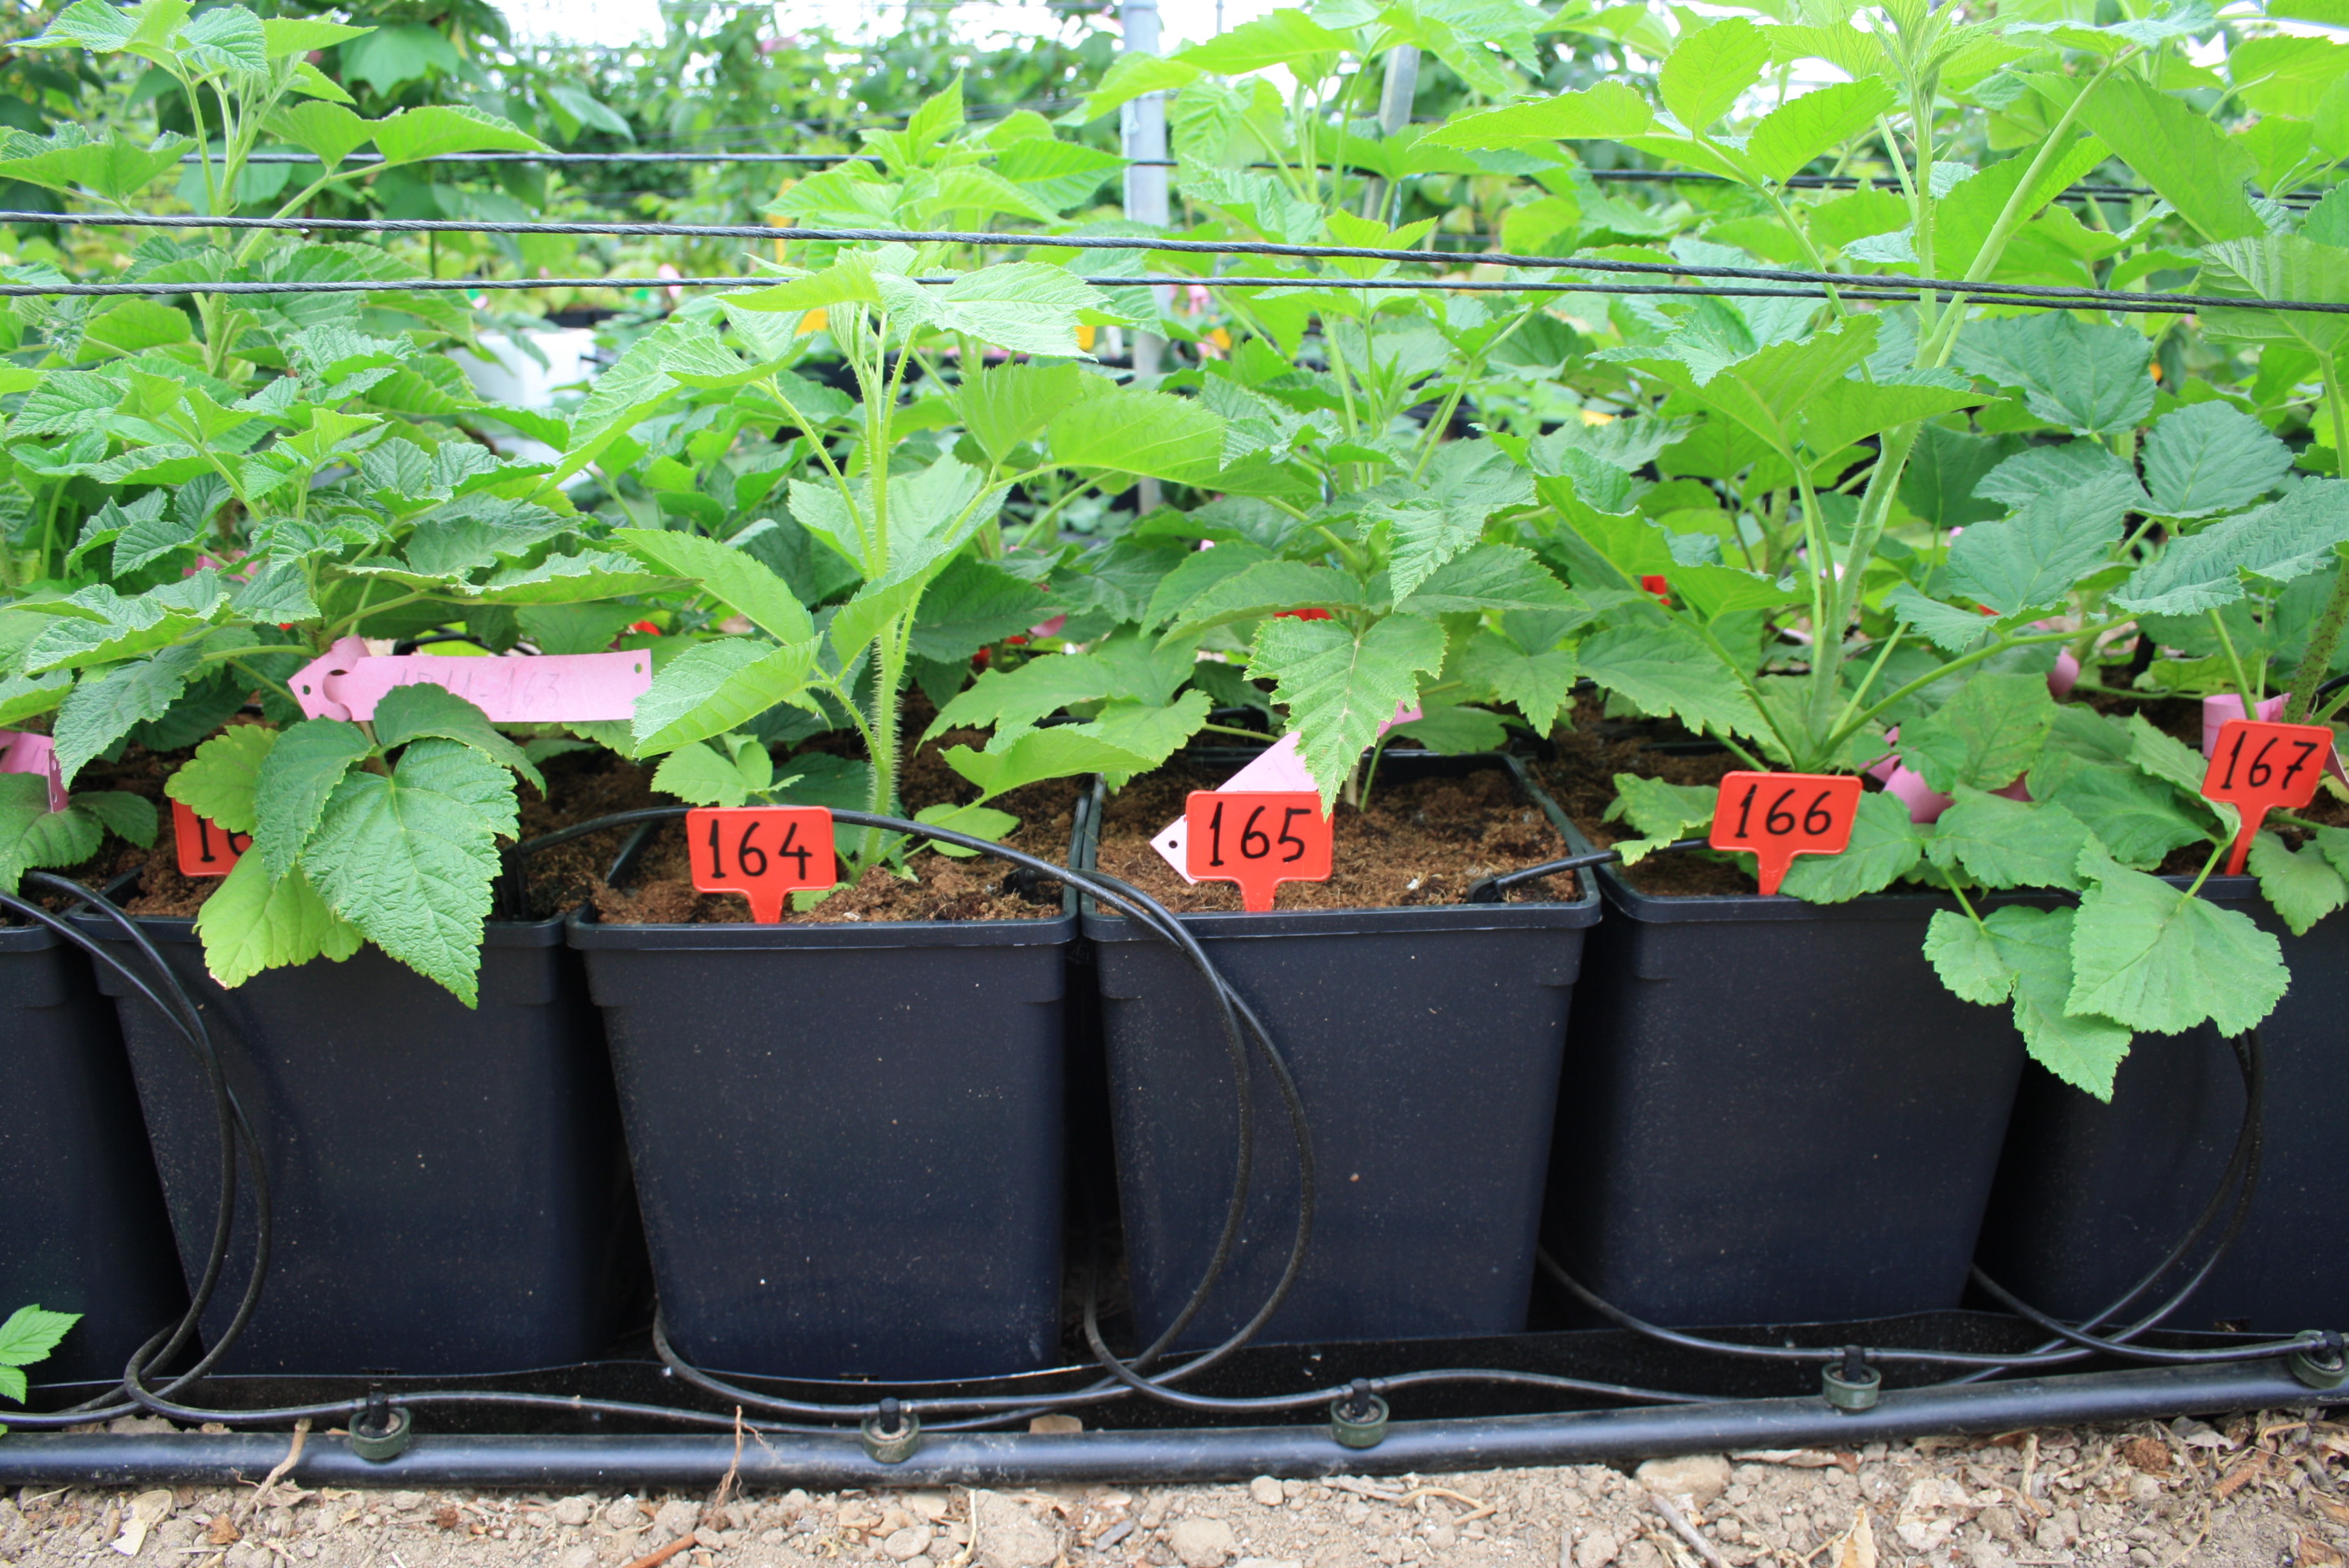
761,853
1257,837
206,849
1777,816
2258,766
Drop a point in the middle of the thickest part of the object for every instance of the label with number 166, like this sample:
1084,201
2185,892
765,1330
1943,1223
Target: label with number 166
1778,816
762,852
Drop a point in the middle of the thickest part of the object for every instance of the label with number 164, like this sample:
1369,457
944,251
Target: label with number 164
762,852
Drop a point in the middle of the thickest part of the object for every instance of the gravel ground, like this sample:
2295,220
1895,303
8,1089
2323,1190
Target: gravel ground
2267,1490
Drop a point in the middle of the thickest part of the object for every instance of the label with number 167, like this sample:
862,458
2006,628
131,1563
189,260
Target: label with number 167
762,852
2258,766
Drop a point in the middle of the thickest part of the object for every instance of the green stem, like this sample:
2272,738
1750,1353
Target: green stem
1234,730
280,687
1964,903
2217,850
1964,661
2243,689
234,654
2012,215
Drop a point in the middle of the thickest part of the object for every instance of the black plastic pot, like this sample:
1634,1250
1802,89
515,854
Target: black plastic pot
1426,1045
446,1182
846,1138
81,1217
1775,1112
2090,1195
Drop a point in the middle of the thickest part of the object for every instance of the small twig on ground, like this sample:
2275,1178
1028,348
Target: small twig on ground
252,1505
1361,1489
655,1559
1479,1507
1687,1531
733,1472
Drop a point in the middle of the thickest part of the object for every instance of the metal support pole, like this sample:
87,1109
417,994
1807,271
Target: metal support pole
1143,124
1394,113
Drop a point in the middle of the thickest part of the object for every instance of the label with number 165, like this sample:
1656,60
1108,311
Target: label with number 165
762,852
1257,837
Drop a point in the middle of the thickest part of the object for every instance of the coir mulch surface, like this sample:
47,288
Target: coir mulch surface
1421,842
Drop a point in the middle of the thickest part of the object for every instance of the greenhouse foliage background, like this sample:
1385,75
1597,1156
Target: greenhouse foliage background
1730,471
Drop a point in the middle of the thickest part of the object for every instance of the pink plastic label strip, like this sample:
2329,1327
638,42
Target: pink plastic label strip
21,751
346,682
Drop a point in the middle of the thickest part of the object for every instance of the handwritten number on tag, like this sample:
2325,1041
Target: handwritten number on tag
205,848
761,853
1258,839
2258,765
1777,816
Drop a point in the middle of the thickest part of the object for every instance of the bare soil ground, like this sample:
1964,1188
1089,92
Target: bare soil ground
2270,1491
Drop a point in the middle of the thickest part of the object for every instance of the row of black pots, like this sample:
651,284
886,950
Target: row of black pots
847,1142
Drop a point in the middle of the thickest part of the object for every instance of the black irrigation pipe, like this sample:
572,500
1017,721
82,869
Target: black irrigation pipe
2057,297
1231,1453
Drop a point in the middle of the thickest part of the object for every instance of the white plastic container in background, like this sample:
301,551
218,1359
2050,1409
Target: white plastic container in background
511,378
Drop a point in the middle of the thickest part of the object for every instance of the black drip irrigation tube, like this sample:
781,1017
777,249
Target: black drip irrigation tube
809,1442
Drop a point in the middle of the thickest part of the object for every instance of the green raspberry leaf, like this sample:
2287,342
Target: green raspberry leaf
220,781
252,923
1338,688
714,687
699,775
1885,847
733,577
410,865
2210,456
2003,844
1666,669
2304,886
1966,959
296,781
409,712
32,835
1661,811
2171,761
98,712
126,816
2146,955
1987,736
30,1334
2136,817
462,773
2090,379
2083,1050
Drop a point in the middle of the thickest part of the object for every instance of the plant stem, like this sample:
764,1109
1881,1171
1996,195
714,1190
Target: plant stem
2217,851
2243,689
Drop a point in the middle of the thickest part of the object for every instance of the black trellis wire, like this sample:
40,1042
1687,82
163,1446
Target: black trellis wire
1893,287
824,159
